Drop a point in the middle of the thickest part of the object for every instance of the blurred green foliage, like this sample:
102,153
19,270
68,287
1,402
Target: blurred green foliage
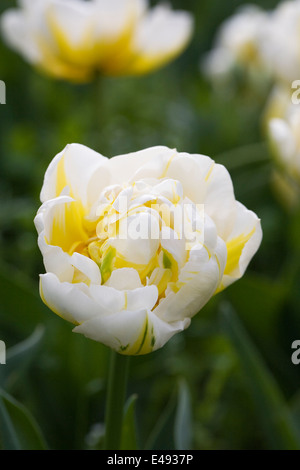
199,382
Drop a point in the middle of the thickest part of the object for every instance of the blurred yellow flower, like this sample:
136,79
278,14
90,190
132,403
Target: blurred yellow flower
75,39
134,246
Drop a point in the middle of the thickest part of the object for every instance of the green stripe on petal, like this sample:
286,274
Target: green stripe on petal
144,343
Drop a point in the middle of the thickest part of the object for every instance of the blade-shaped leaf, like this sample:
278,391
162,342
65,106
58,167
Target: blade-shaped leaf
19,429
183,421
162,431
8,436
129,434
274,415
18,357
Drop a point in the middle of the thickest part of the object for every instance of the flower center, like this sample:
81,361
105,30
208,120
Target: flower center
144,226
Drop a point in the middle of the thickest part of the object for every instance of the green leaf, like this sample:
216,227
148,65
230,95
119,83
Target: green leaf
19,357
183,421
272,410
18,428
253,293
8,436
295,407
160,435
129,434
21,308
252,155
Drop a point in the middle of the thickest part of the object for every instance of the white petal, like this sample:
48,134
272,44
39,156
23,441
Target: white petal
55,260
173,245
163,331
111,25
242,243
74,19
135,242
70,301
219,200
124,279
15,31
191,171
86,266
118,331
163,31
108,299
282,140
198,281
123,167
131,332
145,297
61,220
81,169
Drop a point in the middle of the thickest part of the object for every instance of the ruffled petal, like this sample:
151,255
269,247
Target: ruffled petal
131,332
70,301
197,282
242,244
80,169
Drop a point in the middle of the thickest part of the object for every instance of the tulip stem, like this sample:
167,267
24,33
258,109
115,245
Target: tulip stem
117,383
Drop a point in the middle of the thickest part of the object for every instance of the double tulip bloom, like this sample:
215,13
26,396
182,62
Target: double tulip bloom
76,39
134,246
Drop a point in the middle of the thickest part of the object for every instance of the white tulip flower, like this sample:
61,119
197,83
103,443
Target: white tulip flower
75,39
237,44
134,246
280,42
283,130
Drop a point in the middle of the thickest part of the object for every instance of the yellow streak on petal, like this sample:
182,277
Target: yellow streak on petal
81,61
220,288
221,285
145,63
164,173
234,251
209,172
117,56
61,178
126,300
142,269
82,54
67,227
57,67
